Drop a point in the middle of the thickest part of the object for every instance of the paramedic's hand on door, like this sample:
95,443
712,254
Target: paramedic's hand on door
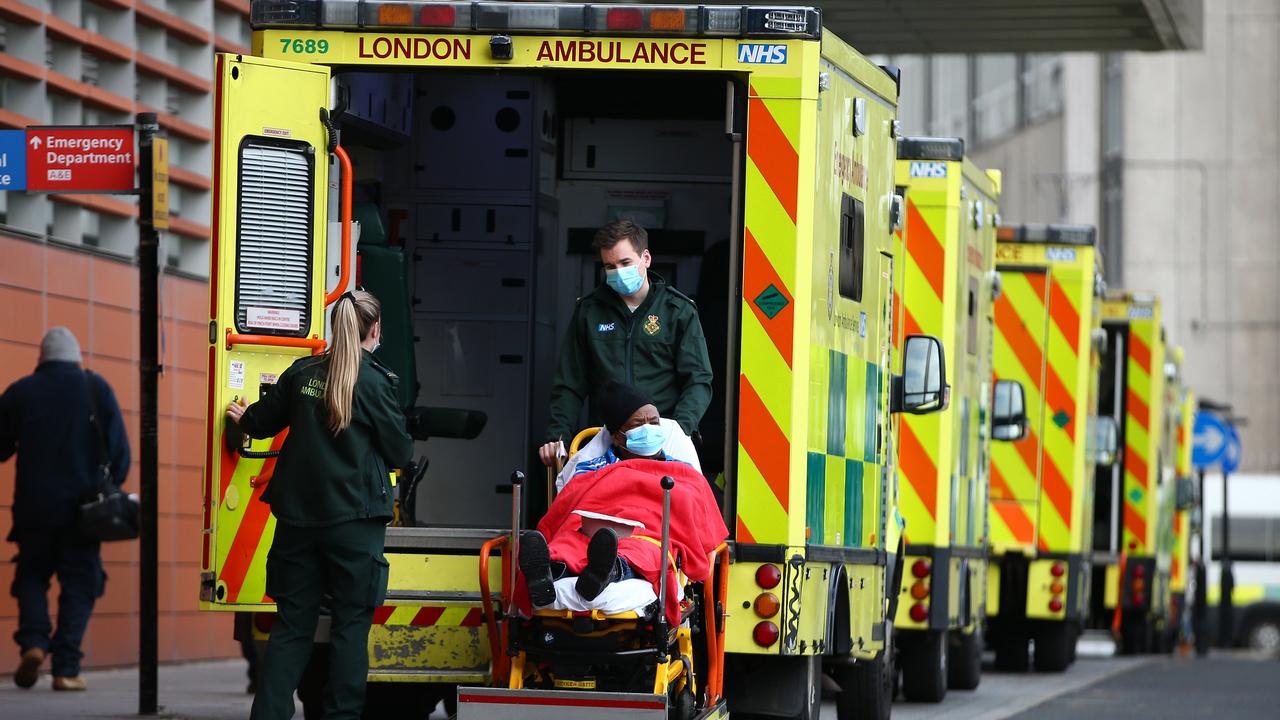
235,410
550,452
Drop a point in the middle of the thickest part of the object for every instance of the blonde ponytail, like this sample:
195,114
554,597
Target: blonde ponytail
353,317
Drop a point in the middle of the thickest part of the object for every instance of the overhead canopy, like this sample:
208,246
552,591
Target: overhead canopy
997,26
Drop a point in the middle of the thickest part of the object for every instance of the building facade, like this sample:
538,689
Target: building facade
70,260
1175,156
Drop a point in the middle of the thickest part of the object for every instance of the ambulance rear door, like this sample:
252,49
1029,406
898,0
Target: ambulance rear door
266,302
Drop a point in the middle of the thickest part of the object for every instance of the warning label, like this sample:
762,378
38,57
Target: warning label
273,319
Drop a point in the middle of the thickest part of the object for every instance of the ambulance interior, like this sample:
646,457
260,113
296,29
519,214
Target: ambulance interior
490,186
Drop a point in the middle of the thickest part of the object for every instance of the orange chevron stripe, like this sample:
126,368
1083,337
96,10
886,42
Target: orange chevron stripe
923,247
1010,511
1135,523
1024,345
1138,409
249,533
1058,490
919,469
1027,449
764,442
1136,465
771,150
897,320
1139,352
1059,398
744,535
1064,315
382,613
909,320
757,275
1037,281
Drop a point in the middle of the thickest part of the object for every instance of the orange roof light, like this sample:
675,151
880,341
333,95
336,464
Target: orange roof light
666,19
395,15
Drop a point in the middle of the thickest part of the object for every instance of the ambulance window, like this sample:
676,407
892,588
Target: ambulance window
851,245
273,237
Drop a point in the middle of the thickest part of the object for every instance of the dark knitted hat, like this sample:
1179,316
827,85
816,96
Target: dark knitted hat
616,402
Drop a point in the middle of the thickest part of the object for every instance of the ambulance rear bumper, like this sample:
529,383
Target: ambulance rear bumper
504,704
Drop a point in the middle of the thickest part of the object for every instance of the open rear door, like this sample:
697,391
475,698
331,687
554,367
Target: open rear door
266,300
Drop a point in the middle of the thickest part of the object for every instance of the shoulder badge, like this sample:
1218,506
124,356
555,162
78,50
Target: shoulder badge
652,325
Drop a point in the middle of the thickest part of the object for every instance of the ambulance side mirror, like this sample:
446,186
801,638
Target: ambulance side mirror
1009,411
922,388
1103,441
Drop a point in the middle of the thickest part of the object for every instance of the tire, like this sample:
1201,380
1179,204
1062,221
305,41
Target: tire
1053,648
1012,653
812,709
1263,635
1071,648
1135,635
965,670
925,667
867,687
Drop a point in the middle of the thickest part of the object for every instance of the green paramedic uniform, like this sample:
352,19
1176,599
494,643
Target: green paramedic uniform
331,496
659,349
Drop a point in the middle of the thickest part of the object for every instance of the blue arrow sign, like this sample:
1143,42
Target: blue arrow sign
1209,440
1231,454
13,159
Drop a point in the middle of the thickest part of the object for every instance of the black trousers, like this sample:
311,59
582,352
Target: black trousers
344,562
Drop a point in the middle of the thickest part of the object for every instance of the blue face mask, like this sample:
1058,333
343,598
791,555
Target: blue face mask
625,280
646,440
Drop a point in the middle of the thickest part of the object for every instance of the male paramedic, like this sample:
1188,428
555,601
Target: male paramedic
635,329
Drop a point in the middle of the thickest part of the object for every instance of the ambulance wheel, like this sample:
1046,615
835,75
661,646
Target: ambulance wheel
1053,648
1135,635
966,660
1012,654
811,702
924,667
1071,647
867,687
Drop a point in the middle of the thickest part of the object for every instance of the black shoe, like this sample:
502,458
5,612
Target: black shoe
602,564
535,563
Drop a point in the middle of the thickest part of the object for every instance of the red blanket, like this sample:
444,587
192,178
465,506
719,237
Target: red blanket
631,489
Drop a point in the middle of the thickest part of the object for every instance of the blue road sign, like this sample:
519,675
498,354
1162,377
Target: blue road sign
13,159
1209,439
1231,454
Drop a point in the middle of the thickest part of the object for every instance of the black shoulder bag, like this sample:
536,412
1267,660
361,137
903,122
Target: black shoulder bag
108,514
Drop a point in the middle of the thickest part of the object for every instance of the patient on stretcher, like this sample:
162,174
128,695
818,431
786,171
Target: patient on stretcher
604,530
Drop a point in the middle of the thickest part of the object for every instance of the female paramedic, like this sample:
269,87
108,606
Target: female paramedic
331,496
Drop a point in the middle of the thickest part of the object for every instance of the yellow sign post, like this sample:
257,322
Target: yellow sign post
160,183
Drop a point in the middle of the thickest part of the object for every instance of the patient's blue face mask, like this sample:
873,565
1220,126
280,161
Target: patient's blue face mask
646,440
625,280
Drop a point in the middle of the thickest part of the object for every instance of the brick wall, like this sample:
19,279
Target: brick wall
97,298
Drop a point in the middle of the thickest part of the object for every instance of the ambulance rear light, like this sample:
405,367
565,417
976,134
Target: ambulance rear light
1054,234
931,148
478,17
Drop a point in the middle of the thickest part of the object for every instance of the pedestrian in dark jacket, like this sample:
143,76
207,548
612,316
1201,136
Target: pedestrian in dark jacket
45,420
331,497
635,329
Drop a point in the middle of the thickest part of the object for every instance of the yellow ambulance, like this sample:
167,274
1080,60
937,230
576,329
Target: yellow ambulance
480,144
948,285
1041,506
1135,495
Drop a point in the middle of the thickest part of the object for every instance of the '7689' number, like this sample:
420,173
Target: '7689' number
298,46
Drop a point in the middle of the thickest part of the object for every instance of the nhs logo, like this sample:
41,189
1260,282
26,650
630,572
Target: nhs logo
928,169
762,54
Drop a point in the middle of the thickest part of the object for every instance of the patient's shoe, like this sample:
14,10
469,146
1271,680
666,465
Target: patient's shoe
602,564
535,563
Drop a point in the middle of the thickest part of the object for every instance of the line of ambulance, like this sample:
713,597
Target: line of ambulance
941,433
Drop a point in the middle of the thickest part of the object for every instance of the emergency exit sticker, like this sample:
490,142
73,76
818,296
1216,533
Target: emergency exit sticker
273,318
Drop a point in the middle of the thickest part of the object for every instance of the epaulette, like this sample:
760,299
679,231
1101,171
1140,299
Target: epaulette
386,371
681,295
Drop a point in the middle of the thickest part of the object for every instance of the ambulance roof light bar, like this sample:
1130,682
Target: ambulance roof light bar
560,18
1052,234
931,148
